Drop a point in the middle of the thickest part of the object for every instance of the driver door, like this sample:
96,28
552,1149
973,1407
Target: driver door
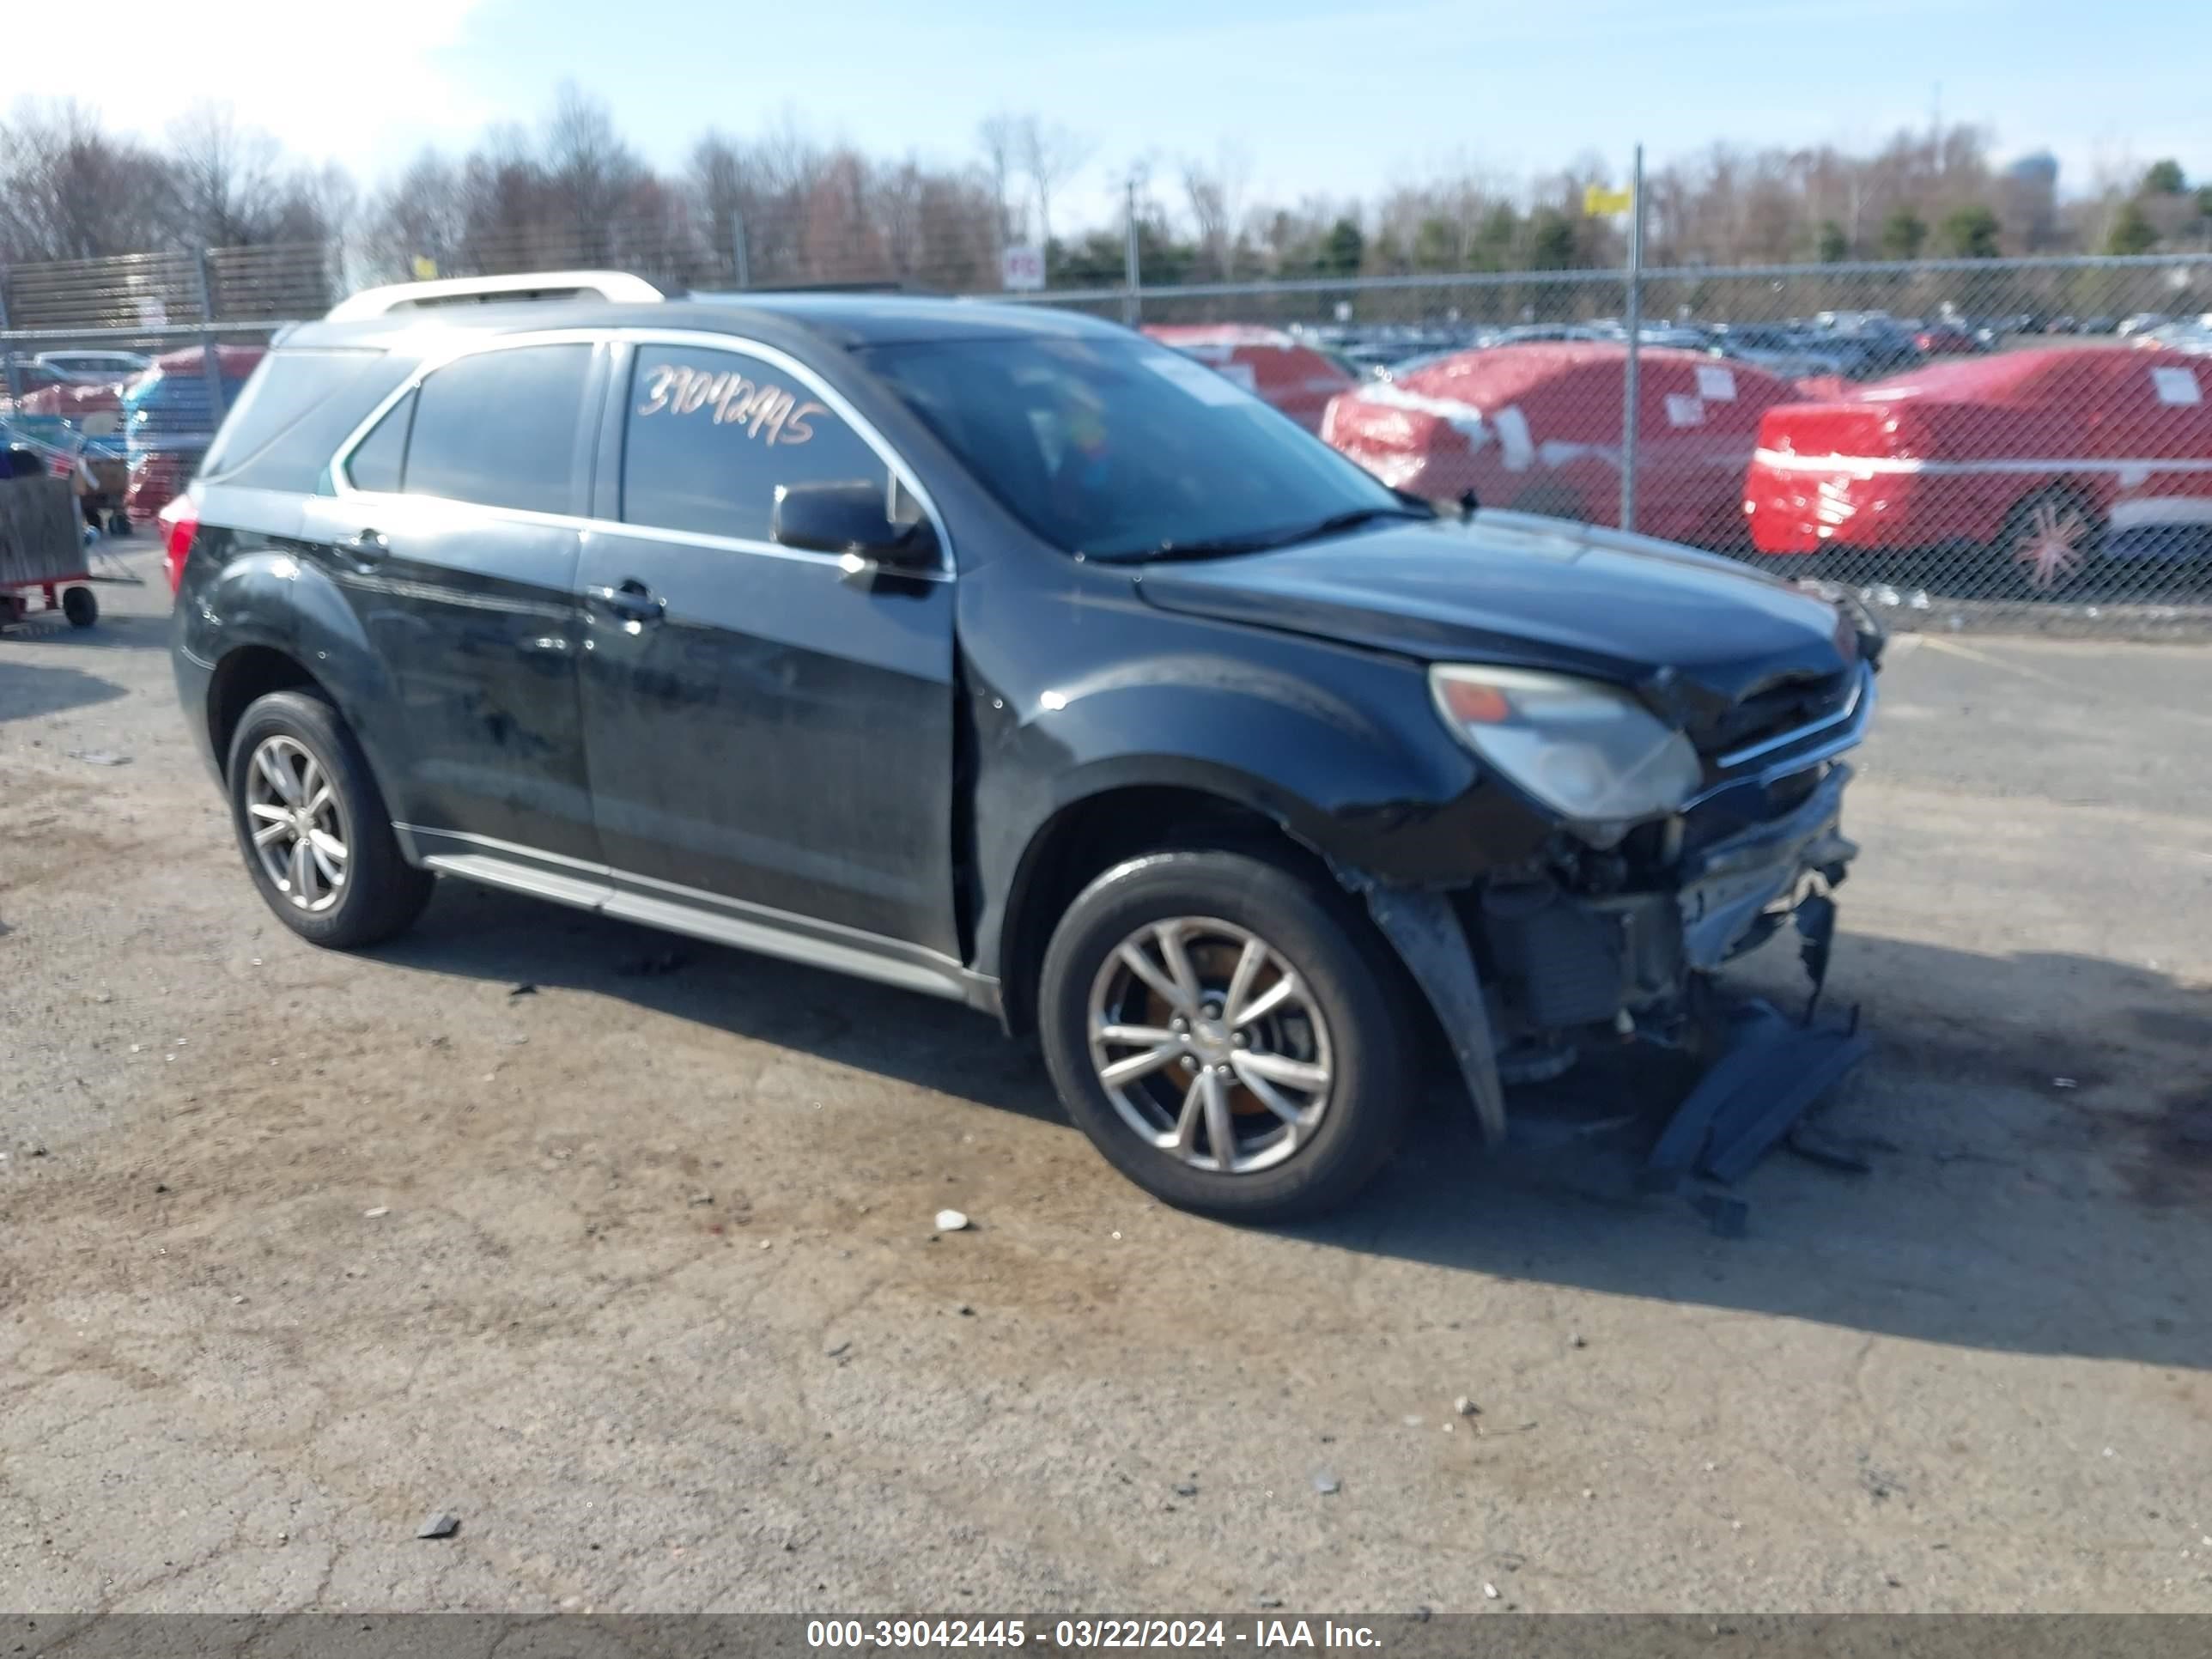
768,743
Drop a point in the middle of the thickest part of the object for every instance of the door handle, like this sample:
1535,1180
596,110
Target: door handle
366,546
630,602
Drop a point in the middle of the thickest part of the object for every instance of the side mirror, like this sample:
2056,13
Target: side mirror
852,520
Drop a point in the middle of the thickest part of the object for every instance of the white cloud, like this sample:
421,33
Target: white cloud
332,81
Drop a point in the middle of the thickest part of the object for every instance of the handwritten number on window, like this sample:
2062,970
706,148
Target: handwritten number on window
763,410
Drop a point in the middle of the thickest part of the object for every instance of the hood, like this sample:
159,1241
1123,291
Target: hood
1516,591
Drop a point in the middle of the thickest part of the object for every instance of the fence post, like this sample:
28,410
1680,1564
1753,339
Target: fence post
210,369
1633,389
739,254
7,347
1131,306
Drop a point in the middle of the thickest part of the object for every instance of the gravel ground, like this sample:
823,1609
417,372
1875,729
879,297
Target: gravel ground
634,1273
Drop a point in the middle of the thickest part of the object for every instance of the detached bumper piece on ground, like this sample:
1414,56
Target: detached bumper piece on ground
1757,1093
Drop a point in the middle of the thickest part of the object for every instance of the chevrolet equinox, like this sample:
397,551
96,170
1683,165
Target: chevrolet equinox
999,655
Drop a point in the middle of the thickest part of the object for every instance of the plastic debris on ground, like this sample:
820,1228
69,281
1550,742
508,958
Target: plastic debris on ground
1747,1102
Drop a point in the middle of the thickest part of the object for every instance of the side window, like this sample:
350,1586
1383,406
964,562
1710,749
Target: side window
375,461
711,435
498,427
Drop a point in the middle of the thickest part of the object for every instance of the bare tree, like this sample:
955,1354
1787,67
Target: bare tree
999,137
716,176
588,168
1216,196
1050,155
70,192
227,177
422,215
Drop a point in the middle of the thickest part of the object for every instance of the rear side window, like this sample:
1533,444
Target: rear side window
295,409
377,460
498,427
711,435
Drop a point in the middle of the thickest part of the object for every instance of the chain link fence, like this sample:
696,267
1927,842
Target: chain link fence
1964,440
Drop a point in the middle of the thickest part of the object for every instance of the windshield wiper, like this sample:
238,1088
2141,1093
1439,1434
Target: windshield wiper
1222,547
1217,547
1336,522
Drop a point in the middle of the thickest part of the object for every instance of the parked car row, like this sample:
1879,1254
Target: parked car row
77,368
2192,335
1849,345
2051,458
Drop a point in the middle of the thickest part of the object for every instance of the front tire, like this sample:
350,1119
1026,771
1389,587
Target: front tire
80,605
1227,1035
313,829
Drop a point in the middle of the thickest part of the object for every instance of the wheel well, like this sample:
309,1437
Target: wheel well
1090,837
2076,489
248,673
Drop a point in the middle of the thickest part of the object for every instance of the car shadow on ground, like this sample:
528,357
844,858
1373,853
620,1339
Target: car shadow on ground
28,691
2040,1180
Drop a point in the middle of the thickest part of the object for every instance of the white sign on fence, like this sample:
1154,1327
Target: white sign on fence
1021,267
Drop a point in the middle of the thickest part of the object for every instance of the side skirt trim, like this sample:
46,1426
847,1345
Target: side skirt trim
707,916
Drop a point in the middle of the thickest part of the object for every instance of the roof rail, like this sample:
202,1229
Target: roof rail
611,285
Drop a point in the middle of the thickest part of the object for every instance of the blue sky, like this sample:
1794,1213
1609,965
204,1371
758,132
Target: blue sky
1323,96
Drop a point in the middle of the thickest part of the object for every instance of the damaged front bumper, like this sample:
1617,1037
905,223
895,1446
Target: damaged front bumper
1521,968
1734,891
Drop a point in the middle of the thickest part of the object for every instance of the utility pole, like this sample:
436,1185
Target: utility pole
1633,389
7,347
1132,306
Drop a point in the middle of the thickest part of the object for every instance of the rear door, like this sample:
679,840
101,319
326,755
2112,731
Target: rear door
771,743
454,530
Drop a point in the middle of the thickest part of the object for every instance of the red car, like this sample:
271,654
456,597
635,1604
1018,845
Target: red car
1536,428
1274,366
2039,454
169,418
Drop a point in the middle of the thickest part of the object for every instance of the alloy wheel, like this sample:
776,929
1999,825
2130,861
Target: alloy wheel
298,826
2052,546
1209,1045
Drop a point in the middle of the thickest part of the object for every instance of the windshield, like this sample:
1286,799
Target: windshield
1121,449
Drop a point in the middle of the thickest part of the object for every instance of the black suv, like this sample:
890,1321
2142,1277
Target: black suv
1002,655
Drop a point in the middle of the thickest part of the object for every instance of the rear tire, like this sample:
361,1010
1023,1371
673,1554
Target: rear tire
1330,1054
2051,541
344,883
80,605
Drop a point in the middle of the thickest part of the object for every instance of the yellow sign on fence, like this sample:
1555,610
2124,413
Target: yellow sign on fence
1598,201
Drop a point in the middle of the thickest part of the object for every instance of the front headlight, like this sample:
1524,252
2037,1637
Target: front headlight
1588,750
